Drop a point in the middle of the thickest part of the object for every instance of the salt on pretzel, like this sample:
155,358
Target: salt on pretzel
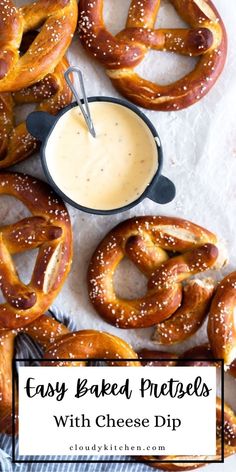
221,322
121,53
45,330
51,94
148,242
91,344
57,20
197,295
48,229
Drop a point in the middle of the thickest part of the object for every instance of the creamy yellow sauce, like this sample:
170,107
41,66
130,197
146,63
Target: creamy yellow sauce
106,172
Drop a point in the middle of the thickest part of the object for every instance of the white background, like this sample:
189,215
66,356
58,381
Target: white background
39,434
200,156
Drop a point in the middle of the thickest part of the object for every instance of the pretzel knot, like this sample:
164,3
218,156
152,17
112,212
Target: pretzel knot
120,54
57,342
57,21
221,322
51,94
48,229
148,242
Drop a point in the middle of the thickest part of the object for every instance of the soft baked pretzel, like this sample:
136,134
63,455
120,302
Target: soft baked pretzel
57,19
121,53
197,295
48,229
221,321
91,344
51,94
148,241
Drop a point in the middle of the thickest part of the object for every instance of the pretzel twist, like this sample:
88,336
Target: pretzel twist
148,242
197,295
49,229
221,322
57,20
51,94
121,53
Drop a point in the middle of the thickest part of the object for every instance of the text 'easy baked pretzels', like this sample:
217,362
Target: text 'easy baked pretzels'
149,242
121,53
48,229
57,20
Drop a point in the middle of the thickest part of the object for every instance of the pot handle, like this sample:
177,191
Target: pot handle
39,124
163,192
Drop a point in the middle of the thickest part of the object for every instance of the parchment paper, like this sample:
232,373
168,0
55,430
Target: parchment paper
199,156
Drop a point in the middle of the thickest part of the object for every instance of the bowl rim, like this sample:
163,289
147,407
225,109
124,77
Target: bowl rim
150,186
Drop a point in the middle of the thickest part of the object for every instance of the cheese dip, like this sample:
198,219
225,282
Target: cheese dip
106,172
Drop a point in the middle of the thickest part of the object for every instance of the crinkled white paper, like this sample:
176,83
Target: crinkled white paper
200,157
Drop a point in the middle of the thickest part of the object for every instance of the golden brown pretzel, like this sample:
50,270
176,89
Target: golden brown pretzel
91,344
121,53
51,94
57,20
148,242
48,229
197,295
45,330
221,322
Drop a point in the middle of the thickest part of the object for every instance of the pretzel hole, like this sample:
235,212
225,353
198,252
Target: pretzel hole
22,111
115,17
168,17
165,67
2,299
52,269
12,210
129,283
25,263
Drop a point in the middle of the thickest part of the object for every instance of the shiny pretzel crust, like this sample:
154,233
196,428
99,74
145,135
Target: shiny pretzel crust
57,20
197,295
121,53
147,241
91,344
221,322
48,229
